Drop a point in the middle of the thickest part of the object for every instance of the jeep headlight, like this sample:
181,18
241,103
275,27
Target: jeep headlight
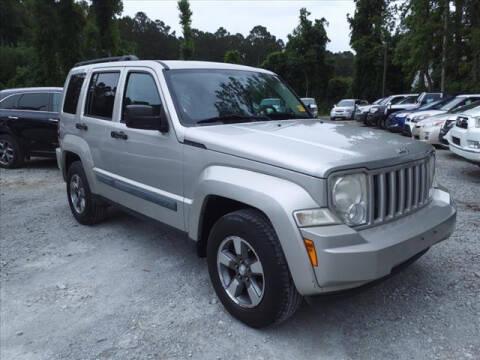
349,197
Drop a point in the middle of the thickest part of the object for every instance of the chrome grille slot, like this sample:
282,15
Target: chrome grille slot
398,191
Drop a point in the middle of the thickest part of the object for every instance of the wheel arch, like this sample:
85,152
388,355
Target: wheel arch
226,189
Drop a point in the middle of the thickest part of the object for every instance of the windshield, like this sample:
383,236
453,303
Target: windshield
227,96
378,101
453,103
308,101
470,109
435,105
346,103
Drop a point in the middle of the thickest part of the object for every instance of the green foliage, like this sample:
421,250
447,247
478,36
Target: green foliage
187,46
105,12
369,37
339,88
233,57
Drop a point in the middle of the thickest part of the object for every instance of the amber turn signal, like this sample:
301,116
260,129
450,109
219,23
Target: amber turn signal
312,254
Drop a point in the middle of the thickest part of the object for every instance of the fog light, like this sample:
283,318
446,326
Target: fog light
473,144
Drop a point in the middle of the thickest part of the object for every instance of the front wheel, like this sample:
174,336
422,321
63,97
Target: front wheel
248,269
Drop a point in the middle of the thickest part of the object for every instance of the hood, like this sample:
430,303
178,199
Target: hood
309,146
440,117
417,114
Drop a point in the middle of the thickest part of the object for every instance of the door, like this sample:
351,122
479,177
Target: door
98,110
146,165
36,123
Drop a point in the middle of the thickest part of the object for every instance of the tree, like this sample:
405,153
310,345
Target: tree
187,45
259,44
72,19
105,12
369,38
233,57
306,48
45,42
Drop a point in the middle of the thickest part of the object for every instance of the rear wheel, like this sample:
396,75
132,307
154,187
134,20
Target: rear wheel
11,154
248,269
84,208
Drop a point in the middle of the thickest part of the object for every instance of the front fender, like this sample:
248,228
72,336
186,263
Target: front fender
275,197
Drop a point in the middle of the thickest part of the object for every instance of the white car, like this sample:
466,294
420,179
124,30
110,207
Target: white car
455,103
464,137
429,130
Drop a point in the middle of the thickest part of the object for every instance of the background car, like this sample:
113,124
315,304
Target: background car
362,110
464,137
396,121
28,124
378,113
452,104
311,104
429,130
345,109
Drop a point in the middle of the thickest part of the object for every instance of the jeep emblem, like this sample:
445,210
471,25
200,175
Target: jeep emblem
402,150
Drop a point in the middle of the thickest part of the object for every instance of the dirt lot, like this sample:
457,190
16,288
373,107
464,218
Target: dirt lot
127,289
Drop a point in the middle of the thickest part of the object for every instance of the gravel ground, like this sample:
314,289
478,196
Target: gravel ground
128,289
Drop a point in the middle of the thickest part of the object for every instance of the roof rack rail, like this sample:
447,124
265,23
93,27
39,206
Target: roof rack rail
107,59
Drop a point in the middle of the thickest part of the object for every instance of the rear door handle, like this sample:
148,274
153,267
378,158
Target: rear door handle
119,135
81,126
13,117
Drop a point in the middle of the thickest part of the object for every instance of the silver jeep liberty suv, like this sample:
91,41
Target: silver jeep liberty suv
282,205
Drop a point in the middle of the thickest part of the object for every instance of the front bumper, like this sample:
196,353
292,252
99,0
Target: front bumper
430,135
348,258
463,150
346,116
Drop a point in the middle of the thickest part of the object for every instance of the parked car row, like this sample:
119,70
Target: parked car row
441,120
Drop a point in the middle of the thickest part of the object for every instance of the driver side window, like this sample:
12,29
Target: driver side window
141,90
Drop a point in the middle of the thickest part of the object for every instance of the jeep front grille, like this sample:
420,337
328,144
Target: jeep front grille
398,191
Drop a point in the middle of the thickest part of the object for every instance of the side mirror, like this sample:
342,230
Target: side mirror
146,117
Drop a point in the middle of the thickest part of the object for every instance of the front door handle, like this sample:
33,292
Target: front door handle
53,119
81,126
119,135
13,117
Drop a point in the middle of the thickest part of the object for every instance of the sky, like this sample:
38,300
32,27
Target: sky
280,17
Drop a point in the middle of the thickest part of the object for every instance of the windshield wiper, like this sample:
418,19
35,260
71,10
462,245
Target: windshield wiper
230,119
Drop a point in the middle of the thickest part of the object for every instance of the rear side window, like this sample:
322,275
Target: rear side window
73,93
10,102
101,95
35,102
56,97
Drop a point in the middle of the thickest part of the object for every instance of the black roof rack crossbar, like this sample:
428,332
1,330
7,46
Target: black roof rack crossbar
107,59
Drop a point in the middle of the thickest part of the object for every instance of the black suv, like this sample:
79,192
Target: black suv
28,124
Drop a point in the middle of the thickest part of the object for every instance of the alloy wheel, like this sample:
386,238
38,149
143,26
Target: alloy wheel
7,154
77,193
241,272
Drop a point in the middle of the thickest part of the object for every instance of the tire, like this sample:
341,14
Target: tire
11,154
278,298
84,208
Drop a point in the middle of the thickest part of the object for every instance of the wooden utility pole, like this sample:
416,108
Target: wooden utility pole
384,85
444,45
